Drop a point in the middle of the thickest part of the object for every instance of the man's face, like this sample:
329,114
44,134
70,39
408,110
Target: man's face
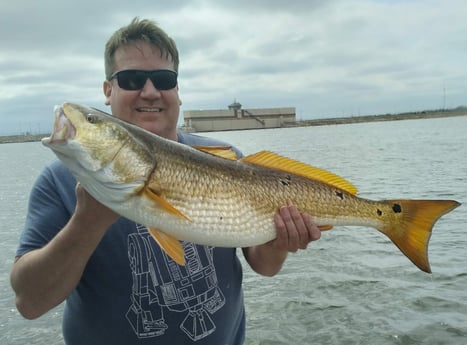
152,109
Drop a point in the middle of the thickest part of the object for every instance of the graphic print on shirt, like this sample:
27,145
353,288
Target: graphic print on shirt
162,286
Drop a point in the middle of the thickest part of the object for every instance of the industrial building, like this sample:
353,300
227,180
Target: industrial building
236,118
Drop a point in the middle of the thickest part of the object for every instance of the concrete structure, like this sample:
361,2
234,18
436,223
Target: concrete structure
236,118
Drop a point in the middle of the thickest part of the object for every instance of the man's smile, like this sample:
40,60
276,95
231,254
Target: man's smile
149,110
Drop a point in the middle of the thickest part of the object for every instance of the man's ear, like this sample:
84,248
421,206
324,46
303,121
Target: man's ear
178,95
107,88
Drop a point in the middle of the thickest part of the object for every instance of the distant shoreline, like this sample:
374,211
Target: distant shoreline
22,138
380,118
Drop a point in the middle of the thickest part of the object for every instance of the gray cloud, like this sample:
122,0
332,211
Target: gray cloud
326,58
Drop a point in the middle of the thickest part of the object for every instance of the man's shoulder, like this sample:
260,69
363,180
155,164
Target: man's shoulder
194,139
198,140
55,177
56,169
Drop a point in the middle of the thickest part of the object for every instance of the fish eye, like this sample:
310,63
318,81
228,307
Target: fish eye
92,118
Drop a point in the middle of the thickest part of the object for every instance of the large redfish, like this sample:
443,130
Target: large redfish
194,194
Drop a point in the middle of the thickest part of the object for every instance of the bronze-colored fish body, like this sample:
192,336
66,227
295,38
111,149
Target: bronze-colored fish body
187,193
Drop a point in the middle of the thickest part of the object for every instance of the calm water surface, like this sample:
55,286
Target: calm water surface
351,287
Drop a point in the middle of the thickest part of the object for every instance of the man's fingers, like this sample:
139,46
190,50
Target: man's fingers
294,227
313,230
281,242
301,227
294,230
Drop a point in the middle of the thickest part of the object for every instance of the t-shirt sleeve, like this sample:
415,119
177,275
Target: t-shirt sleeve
193,139
51,203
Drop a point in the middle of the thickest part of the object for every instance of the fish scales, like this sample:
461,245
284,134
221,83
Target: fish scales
211,197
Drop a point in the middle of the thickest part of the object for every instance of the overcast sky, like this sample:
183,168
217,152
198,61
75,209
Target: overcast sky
326,58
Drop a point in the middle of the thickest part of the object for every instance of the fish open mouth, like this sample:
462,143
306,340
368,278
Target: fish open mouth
63,128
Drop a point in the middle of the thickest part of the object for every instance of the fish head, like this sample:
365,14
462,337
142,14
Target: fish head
100,150
86,135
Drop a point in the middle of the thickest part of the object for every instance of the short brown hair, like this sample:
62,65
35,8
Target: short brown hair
144,30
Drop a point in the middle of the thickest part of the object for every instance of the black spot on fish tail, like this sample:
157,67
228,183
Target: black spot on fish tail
340,195
379,212
397,208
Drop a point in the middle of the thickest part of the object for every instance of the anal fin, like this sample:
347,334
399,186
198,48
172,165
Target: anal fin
325,227
170,245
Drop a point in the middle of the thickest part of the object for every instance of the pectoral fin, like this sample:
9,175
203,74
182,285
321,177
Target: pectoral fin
170,245
163,204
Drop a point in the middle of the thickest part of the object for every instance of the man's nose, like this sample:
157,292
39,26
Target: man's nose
149,90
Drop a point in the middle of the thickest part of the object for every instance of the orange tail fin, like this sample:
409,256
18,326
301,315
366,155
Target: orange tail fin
412,229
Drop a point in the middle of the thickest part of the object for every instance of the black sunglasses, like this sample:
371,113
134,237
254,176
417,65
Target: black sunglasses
134,79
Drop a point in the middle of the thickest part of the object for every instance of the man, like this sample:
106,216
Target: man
119,286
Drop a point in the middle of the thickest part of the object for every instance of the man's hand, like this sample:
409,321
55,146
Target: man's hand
89,210
294,230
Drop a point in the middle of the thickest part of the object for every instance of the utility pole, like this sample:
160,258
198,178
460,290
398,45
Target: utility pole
444,96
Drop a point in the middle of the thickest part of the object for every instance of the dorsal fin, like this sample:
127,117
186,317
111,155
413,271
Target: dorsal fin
220,151
272,160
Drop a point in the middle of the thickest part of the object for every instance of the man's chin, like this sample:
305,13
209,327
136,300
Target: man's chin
165,131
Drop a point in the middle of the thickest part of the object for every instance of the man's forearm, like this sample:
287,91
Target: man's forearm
43,278
265,259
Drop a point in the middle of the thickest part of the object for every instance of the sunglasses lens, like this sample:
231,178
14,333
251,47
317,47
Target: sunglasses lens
164,79
131,80
135,79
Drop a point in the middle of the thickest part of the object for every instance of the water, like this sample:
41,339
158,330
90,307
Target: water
351,287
